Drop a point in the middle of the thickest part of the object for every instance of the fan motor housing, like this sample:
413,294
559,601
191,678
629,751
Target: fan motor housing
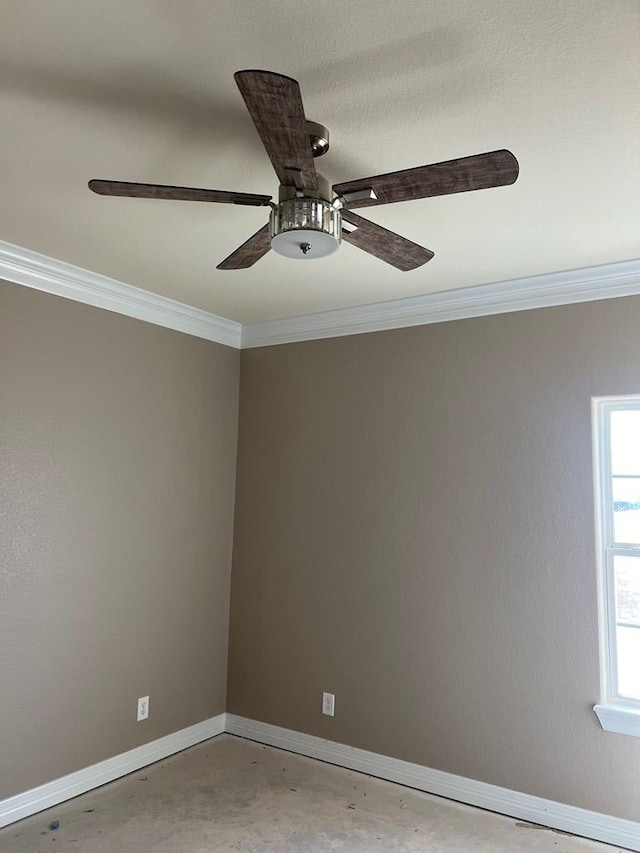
305,227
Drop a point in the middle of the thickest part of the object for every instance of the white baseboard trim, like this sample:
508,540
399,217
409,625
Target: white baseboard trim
599,827
593,825
59,790
31,269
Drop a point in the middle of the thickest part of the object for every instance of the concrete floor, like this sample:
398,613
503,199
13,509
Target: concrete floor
233,794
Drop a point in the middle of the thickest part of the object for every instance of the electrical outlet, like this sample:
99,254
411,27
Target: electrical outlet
143,708
328,704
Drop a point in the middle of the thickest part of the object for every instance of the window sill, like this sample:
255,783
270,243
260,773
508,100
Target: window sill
622,719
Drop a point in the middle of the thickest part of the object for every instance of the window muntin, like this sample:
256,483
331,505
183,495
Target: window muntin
617,451
626,572
624,450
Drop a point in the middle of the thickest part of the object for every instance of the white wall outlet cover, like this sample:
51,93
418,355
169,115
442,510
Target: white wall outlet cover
143,708
328,704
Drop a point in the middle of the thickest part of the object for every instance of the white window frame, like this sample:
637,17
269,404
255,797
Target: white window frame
616,713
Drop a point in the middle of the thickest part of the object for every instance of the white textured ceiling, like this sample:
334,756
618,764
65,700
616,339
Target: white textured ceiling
143,90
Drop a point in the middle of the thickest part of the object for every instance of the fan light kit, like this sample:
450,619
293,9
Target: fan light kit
312,217
304,227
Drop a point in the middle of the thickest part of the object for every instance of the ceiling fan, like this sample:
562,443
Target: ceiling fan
311,217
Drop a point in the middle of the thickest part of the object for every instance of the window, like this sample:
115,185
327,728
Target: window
616,432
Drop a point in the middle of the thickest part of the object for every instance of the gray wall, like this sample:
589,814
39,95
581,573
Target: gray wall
414,532
118,470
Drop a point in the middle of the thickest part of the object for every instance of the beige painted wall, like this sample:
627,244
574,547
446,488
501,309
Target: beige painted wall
118,467
414,532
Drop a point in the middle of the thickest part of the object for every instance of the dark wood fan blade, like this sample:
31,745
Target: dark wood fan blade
133,190
251,251
275,105
384,244
495,169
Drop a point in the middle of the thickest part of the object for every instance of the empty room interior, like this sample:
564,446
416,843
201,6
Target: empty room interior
320,496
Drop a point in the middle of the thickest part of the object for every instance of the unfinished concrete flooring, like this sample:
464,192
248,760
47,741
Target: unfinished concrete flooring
233,794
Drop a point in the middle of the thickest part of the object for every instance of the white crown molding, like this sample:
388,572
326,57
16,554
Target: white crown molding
29,268
541,291
600,827
22,266
53,793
